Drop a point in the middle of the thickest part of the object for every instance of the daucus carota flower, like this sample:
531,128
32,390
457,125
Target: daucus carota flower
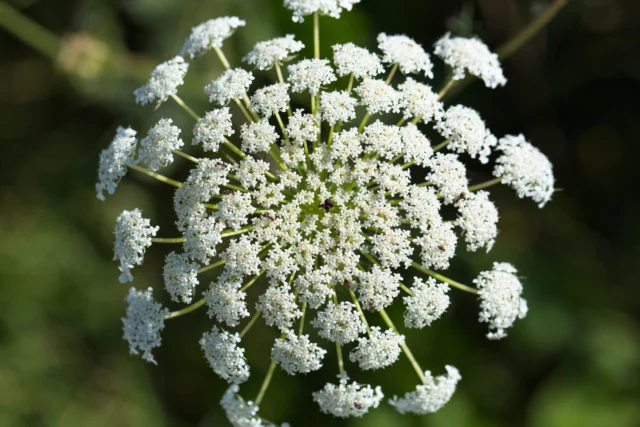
300,216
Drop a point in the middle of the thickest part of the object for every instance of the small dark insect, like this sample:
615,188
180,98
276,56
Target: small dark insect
227,192
269,216
357,405
220,163
347,283
326,205
441,247
460,197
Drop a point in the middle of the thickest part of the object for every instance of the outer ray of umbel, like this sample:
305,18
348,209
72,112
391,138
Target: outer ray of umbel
318,214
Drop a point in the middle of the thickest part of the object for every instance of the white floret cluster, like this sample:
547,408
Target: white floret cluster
317,214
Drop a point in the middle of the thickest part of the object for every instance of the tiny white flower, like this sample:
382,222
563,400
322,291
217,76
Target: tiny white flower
164,81
180,277
302,127
427,303
296,354
419,100
467,132
501,303
379,350
382,139
377,96
213,128
351,59
347,400
251,172
377,288
234,209
133,236
210,34
524,168
265,54
224,355
226,300
438,245
341,323
449,175
143,323
478,219
430,397
242,256
473,56
156,149
232,84
271,99
114,161
346,145
202,238
409,55
417,148
422,207
278,306
258,136
337,106
310,74
332,8
241,413
313,287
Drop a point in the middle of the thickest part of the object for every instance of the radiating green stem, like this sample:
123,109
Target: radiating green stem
304,312
392,73
485,184
253,280
446,88
212,266
401,122
185,107
243,109
360,312
408,164
281,80
231,233
186,156
406,289
316,35
168,240
405,349
424,184
30,32
222,57
443,278
267,381
251,322
157,176
338,347
234,149
210,206
416,120
364,122
442,145
187,309
351,81
282,128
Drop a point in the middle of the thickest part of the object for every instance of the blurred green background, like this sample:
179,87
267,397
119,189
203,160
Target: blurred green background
573,90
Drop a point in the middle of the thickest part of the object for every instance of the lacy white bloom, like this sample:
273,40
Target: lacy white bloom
143,323
310,74
164,81
224,356
133,237
271,99
409,55
241,413
422,207
265,54
232,84
251,172
242,256
279,308
379,350
478,219
377,288
449,174
438,245
470,55
180,277
524,168
347,400
501,304
296,354
210,34
114,161
225,300
419,100
357,61
417,148
341,323
213,128
377,96
382,139
313,287
156,149
337,106
234,209
467,132
258,136
346,145
427,303
333,8
302,127
202,238
430,397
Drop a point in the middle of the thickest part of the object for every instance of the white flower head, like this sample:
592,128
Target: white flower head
241,413
427,303
143,323
232,84
357,61
271,99
133,236
438,245
449,175
234,209
265,54
164,81
156,149
296,354
337,106
377,288
382,139
258,136
524,168
242,256
332,8
379,350
430,397
478,219
313,287
346,145
341,323
202,238
409,55
114,161
224,355
347,399
422,208
417,148
467,132
419,100
278,306
501,303
470,55
377,96
180,277
213,128
311,75
302,127
226,300
210,35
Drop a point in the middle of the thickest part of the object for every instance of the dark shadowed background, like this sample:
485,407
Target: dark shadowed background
573,90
